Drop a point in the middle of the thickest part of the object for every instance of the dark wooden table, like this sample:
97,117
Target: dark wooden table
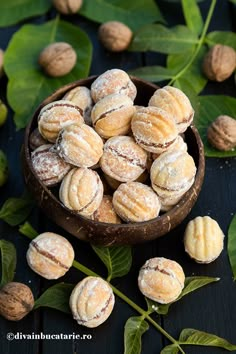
211,308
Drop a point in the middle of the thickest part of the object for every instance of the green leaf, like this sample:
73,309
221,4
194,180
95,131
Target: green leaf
27,82
232,245
209,109
14,11
221,37
8,257
28,230
164,40
192,15
56,297
170,349
135,327
4,170
133,13
189,77
153,73
15,210
191,284
193,336
233,1
118,260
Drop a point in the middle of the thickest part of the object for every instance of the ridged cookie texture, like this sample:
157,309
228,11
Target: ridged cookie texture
123,159
48,166
79,145
92,302
81,190
112,115
203,239
172,174
55,116
153,129
113,81
106,212
178,145
176,103
136,202
81,96
50,255
161,279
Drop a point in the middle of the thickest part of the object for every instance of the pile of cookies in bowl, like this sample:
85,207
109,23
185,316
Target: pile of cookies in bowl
110,156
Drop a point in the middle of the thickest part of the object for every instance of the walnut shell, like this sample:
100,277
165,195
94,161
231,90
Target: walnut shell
219,63
92,302
203,239
161,280
1,62
221,134
57,59
50,255
67,7
115,36
16,301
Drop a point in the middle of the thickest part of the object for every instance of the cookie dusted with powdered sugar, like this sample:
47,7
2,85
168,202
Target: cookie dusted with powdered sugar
57,115
136,202
50,255
81,190
113,81
123,159
176,103
106,212
92,302
48,166
112,115
153,129
79,145
81,96
172,174
161,279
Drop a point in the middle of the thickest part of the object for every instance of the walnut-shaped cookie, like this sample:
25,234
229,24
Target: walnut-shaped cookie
153,129
112,115
82,191
203,239
113,81
48,166
79,145
114,184
161,279
172,174
136,202
50,255
92,302
81,96
123,159
179,145
176,103
106,212
57,115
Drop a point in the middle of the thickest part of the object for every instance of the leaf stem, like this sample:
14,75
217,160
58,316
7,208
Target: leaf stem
145,314
200,43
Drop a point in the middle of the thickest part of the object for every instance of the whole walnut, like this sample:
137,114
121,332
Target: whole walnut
16,301
219,63
221,134
67,7
1,62
58,59
115,36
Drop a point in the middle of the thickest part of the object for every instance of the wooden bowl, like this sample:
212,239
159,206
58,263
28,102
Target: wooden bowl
104,233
